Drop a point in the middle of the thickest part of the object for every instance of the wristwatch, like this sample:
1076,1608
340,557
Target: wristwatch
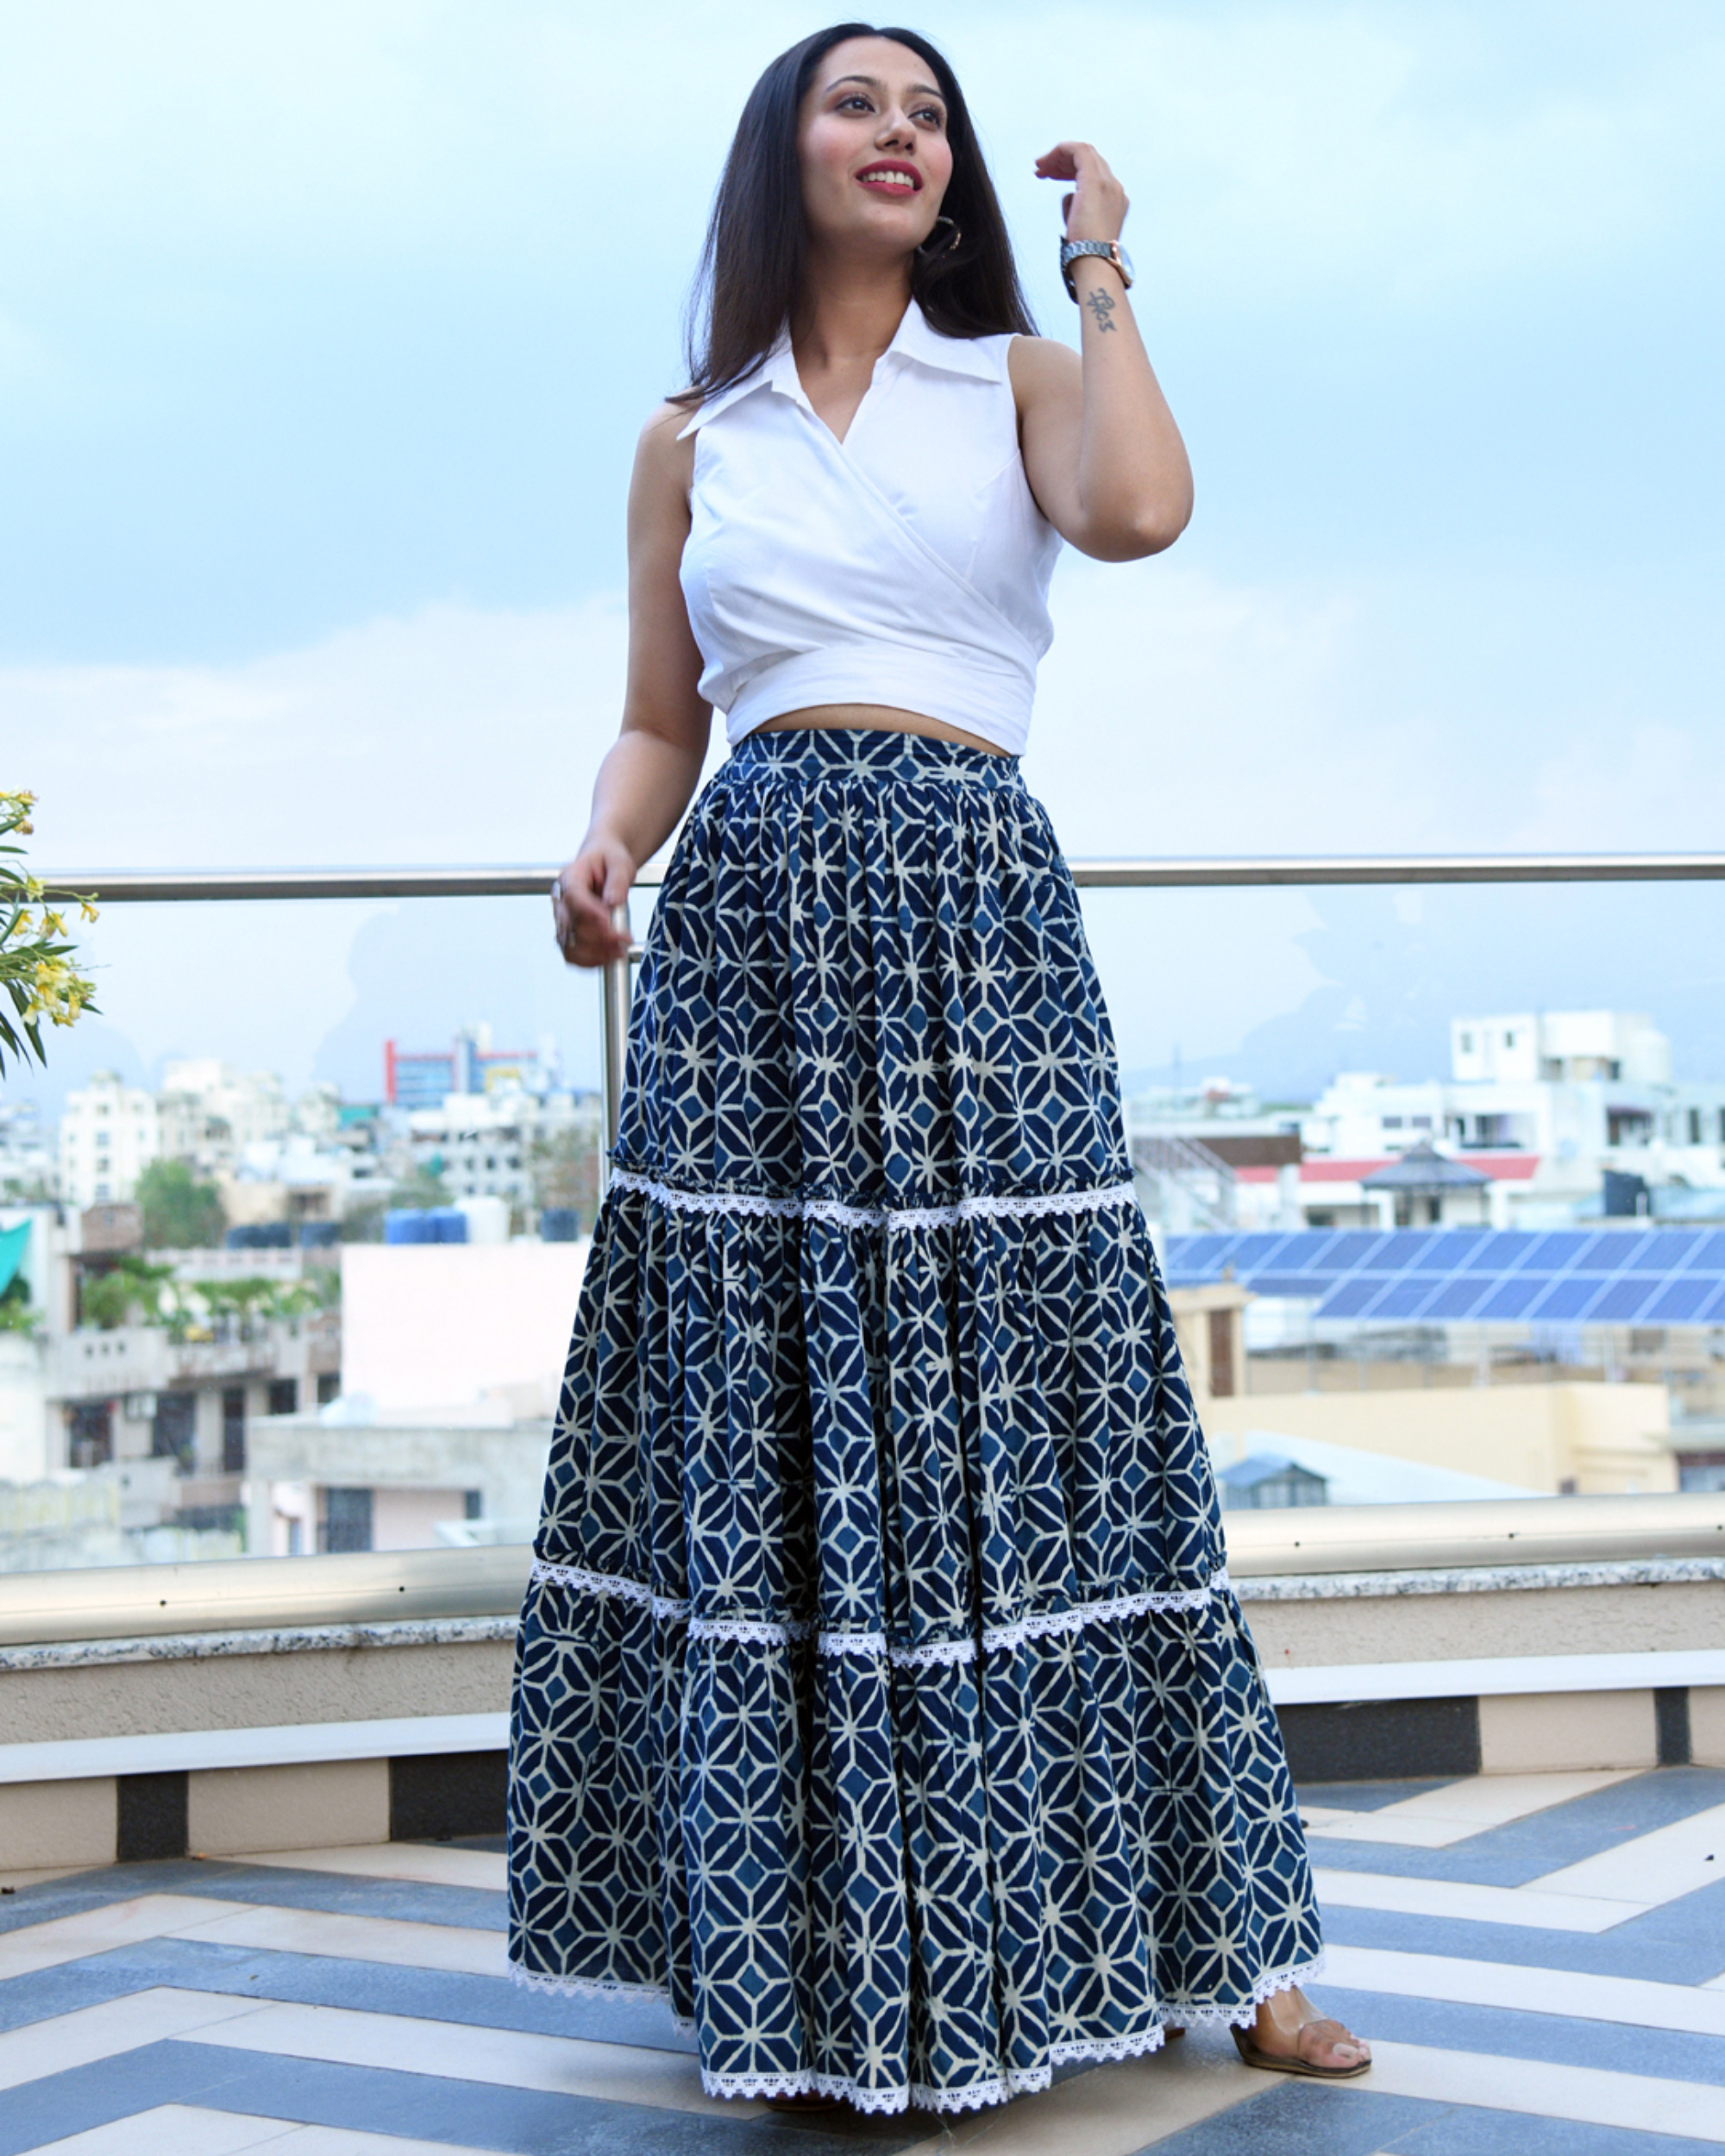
1110,250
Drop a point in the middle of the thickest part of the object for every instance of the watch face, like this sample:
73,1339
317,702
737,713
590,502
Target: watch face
1127,265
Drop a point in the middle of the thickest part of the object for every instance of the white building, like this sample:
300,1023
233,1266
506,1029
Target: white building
1542,1103
294,1178
110,1132
131,1444
452,1359
30,1159
481,1143
210,1113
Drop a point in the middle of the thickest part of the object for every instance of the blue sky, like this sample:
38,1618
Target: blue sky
326,330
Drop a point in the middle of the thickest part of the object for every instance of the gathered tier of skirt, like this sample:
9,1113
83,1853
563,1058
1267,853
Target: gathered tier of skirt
880,1699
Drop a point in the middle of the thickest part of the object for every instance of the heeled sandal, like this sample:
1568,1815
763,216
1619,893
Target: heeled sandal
1285,2063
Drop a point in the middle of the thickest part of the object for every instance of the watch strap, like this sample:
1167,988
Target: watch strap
1109,250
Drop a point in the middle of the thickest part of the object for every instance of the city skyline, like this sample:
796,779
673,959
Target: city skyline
318,424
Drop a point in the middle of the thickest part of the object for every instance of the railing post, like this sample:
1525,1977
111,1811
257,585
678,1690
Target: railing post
613,1039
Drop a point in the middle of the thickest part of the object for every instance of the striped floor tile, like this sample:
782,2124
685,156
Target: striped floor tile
1543,1958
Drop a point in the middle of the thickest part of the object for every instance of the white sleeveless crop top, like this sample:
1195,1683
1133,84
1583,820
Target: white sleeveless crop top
907,565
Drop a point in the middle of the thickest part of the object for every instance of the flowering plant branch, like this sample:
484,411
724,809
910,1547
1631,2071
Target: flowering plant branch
37,967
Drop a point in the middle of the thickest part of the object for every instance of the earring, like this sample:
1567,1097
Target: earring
956,237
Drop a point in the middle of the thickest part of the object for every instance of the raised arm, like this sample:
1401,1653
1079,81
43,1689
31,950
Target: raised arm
1102,452
647,776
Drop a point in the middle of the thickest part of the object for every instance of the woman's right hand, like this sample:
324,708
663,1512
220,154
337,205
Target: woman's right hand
586,890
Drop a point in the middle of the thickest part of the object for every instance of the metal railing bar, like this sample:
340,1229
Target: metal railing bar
120,886
158,886
259,1594
162,885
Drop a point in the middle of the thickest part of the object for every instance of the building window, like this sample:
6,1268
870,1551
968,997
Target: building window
1392,1123
174,1429
232,1429
1508,1040
1467,1044
90,1433
328,1386
1695,1126
283,1396
473,1502
1222,1354
344,1520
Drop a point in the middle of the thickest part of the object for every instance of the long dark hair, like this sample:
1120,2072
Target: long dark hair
753,266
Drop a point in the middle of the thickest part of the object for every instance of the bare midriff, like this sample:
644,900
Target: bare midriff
884,716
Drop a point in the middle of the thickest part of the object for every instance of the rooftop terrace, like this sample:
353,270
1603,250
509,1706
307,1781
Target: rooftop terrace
1539,1959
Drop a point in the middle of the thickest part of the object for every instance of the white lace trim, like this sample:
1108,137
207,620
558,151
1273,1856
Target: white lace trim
992,2089
765,1631
894,1221
1177,2014
1000,1639
758,1632
596,1987
1107,2050
626,1590
1241,2016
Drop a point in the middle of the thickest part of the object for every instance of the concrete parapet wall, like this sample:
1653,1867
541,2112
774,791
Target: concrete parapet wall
323,1804
1318,1630
1388,1674
47,1823
1558,1732
253,1691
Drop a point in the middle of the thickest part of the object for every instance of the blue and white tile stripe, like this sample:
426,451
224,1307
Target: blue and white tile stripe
1540,1961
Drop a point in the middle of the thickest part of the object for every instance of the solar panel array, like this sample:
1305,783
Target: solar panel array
1447,1275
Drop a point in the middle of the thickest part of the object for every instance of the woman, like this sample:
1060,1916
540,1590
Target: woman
880,1699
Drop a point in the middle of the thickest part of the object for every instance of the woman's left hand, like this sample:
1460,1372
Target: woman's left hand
1096,208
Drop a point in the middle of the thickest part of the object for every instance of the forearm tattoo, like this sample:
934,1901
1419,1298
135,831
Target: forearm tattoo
1101,304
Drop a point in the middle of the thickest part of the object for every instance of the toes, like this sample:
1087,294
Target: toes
1328,2043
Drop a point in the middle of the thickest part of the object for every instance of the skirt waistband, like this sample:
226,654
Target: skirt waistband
875,752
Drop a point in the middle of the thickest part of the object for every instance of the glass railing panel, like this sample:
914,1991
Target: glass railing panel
1542,1309
298,1278
293,1232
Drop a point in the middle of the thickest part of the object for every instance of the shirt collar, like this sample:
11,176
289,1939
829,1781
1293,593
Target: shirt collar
915,340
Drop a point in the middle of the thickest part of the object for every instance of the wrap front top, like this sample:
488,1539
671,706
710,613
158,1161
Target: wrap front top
907,565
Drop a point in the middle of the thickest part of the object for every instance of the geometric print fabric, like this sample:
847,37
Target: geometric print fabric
880,1699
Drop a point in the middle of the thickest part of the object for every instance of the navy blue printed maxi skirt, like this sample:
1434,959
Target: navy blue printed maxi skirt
881,1700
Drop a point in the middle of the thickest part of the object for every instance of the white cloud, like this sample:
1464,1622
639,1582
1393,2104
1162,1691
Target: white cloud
1178,715
1640,784
458,734
1409,150
1397,154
